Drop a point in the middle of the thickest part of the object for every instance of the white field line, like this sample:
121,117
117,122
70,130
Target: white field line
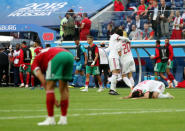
98,114
100,109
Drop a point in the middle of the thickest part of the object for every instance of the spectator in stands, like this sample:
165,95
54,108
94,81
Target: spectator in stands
69,27
16,62
177,26
85,27
164,13
78,19
62,25
153,16
129,25
109,31
142,9
148,33
139,24
118,6
4,64
135,34
183,16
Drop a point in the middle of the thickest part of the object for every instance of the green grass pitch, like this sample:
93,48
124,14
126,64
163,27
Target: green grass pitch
22,109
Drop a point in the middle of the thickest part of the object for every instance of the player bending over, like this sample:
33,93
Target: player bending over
148,89
58,65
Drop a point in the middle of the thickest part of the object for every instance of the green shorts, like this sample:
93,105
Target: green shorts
94,70
60,67
170,66
160,67
28,69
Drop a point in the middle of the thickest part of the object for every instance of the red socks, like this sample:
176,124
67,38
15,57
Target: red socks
27,78
171,77
64,106
87,84
21,77
100,84
50,101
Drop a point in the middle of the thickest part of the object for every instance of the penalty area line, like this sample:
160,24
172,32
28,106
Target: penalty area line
96,114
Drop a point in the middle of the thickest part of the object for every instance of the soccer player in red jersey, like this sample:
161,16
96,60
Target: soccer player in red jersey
25,59
57,63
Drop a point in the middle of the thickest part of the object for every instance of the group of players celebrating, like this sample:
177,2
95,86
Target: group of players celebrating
57,65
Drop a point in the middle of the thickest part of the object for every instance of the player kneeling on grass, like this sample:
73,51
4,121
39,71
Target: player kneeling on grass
149,89
57,63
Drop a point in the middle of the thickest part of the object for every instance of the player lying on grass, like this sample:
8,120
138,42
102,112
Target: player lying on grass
57,63
149,89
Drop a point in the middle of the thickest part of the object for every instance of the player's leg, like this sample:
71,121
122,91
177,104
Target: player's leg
88,72
96,74
28,72
50,102
130,76
170,75
21,70
115,69
64,101
127,81
162,96
33,81
83,77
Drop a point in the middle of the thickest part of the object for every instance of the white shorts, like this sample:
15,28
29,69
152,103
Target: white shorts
160,89
114,63
127,66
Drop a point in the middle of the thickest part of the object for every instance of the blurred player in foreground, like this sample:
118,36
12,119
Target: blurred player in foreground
149,89
58,65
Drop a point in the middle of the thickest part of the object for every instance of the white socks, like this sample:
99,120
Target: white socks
127,81
113,82
132,81
163,96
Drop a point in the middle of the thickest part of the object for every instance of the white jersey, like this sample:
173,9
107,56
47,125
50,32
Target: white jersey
126,59
114,46
150,86
125,50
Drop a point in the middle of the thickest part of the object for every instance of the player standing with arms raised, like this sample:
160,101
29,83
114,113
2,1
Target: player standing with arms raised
57,63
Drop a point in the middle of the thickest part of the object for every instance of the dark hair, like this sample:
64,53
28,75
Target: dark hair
24,42
158,42
85,14
136,94
76,38
48,45
89,36
118,31
38,42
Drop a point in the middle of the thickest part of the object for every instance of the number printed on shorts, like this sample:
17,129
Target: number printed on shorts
126,48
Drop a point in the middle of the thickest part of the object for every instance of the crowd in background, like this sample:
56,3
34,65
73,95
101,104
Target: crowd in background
151,20
75,26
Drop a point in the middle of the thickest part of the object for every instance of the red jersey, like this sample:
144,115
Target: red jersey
170,48
157,55
86,29
42,59
37,50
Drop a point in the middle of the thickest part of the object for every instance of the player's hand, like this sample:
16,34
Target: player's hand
151,57
169,62
93,63
85,63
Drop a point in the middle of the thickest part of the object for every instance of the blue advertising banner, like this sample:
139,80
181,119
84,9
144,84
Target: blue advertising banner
44,12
